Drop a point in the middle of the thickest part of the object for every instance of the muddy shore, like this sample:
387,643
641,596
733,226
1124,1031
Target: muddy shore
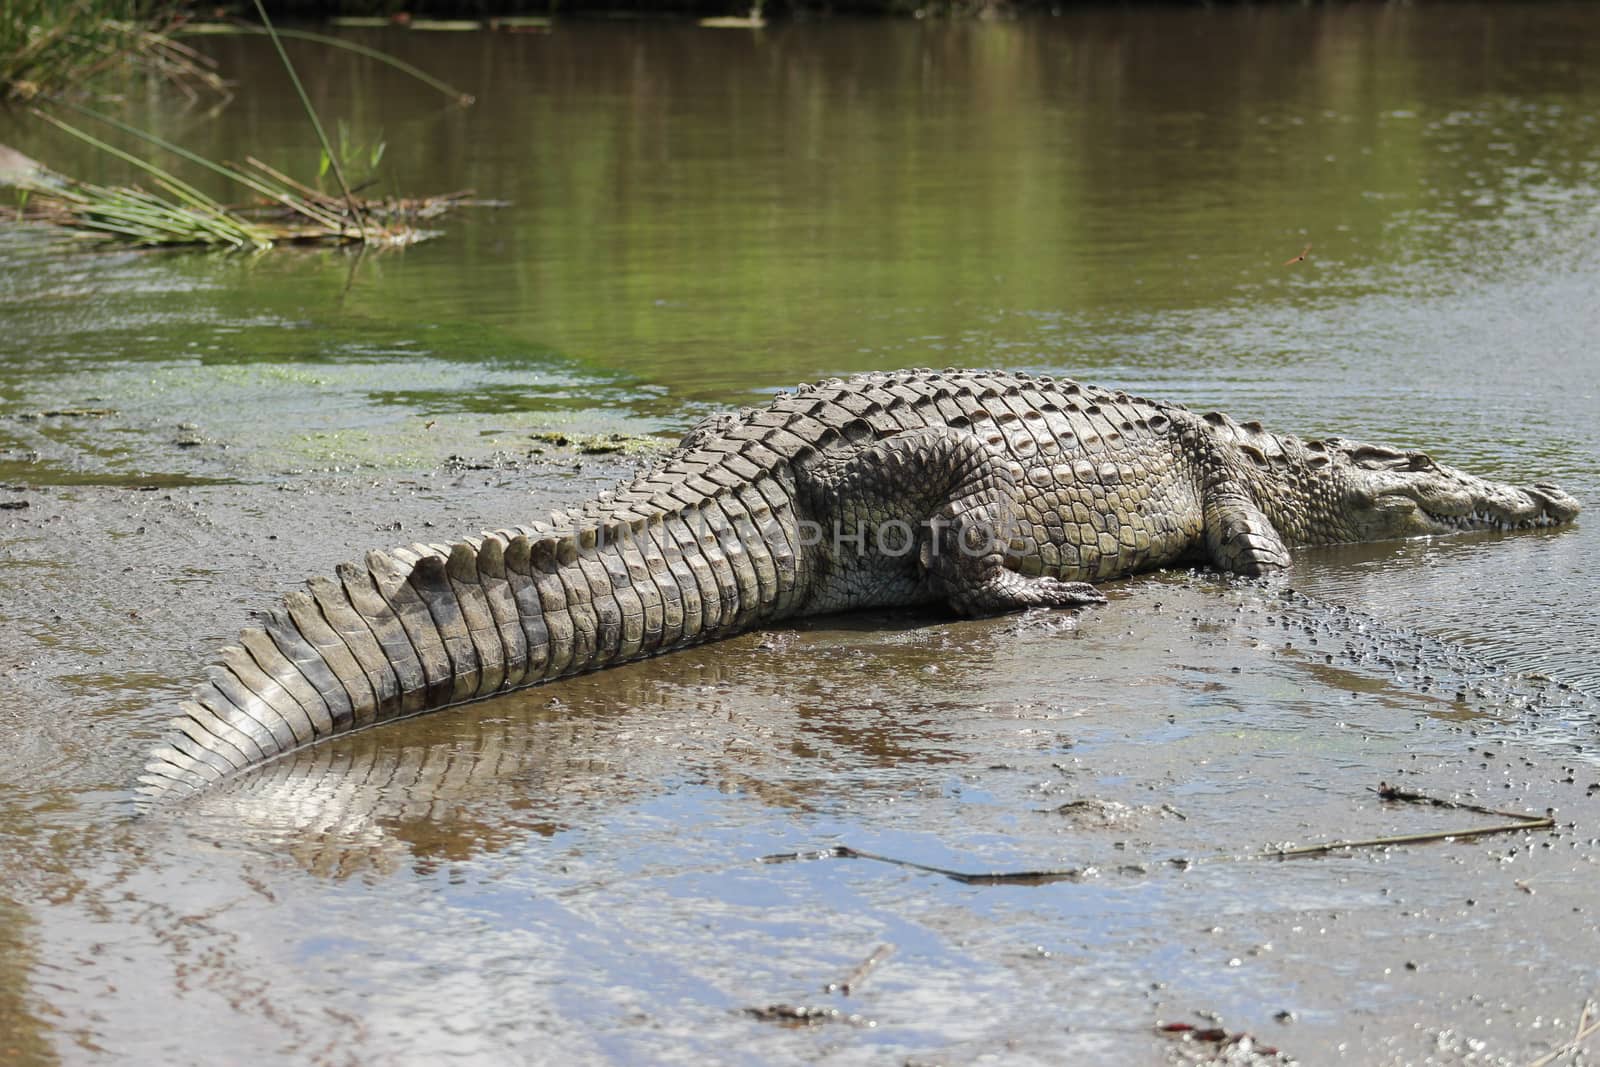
1148,752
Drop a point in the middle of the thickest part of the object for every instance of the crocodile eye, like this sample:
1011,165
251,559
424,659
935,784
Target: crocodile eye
1421,461
1376,457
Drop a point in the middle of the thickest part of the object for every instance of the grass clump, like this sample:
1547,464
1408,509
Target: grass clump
50,47
177,213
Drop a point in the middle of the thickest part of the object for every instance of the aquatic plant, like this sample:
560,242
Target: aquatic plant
353,151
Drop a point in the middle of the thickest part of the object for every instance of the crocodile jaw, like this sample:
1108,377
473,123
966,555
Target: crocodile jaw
1449,501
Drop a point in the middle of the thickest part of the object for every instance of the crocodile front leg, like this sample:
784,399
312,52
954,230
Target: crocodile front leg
1239,536
950,495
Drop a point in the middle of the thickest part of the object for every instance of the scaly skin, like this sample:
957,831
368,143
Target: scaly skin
984,491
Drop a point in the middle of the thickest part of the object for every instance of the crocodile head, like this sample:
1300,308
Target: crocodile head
1388,493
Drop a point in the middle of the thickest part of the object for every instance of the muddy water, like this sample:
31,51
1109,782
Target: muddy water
697,218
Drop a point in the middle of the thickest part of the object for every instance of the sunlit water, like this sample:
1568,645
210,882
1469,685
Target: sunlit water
696,219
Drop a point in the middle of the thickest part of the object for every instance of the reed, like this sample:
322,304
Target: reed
225,29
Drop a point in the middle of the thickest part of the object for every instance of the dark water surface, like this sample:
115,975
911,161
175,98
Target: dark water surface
697,219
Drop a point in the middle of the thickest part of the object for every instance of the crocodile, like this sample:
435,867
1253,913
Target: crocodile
983,491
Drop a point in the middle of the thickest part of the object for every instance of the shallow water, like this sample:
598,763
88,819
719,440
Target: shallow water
698,218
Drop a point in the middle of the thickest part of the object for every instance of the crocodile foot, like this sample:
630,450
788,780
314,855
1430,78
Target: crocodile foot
1010,591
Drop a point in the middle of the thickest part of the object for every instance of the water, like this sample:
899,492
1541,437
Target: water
698,218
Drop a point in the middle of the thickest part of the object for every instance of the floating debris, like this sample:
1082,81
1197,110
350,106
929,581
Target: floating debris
600,444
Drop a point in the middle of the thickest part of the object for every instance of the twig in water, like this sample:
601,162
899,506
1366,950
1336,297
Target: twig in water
1586,1030
1386,791
845,852
1520,822
1300,258
1389,792
861,972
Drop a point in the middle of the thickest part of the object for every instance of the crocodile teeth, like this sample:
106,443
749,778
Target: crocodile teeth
1483,519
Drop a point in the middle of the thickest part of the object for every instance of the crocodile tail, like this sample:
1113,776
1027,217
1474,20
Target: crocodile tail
417,629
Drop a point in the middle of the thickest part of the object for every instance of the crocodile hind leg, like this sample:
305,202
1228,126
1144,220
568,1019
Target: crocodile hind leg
963,557
952,497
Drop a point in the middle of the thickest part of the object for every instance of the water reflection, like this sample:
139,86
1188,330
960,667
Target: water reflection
773,719
22,1033
714,213
767,716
